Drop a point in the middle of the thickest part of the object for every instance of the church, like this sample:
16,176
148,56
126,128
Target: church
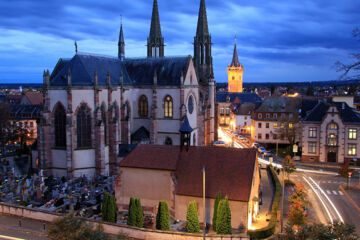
93,103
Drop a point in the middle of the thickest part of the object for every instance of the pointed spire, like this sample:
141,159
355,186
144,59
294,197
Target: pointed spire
235,60
121,43
202,26
155,29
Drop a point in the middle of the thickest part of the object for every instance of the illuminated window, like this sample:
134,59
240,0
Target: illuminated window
245,117
275,125
332,126
312,147
352,149
259,136
267,125
227,111
222,110
168,107
332,140
143,106
352,133
282,125
312,132
290,125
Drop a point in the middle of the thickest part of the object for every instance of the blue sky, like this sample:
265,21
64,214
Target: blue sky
278,40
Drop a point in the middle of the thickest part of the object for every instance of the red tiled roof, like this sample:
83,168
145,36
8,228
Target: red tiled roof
229,171
35,98
152,157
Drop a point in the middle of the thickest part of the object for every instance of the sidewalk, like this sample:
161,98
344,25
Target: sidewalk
268,191
353,195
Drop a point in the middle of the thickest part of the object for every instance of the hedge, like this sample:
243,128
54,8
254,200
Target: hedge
270,228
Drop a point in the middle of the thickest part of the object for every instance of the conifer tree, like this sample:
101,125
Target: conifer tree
139,213
163,216
223,221
216,204
104,206
111,216
132,213
192,219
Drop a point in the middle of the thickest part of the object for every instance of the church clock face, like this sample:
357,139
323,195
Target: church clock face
190,105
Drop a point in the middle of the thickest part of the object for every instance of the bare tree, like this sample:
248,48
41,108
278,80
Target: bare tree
289,129
355,65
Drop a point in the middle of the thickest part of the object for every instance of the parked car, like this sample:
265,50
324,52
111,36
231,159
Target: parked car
261,149
219,144
267,153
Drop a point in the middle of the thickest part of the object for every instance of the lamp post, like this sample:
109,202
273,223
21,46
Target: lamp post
204,208
282,198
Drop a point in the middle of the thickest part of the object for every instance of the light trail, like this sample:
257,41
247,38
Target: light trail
326,196
322,202
10,238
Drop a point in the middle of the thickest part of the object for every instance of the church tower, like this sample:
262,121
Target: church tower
121,45
202,47
155,42
235,73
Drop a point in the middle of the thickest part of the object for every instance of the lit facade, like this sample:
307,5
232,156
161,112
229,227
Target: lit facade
235,73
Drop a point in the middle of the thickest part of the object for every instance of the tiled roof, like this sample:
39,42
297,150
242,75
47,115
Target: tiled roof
244,97
35,98
280,104
347,114
83,67
168,70
229,171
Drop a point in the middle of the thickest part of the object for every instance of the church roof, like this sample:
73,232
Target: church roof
168,70
186,126
121,35
235,60
83,67
202,25
141,134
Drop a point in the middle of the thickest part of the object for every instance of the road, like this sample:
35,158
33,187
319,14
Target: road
329,202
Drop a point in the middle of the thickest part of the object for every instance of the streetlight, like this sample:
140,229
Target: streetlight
282,197
203,171
277,142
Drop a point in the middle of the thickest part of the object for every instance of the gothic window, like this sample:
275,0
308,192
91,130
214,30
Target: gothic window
60,127
332,126
168,141
143,106
191,105
104,120
83,120
332,140
168,107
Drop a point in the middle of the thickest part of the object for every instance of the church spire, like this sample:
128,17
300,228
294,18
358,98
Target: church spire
202,26
155,41
121,44
202,47
235,60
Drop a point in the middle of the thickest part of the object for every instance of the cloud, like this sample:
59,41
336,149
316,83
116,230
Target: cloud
282,40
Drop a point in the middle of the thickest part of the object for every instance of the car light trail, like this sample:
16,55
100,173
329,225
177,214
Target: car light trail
322,202
331,203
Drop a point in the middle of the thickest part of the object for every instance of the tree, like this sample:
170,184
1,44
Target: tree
216,204
223,220
289,166
131,221
104,206
112,209
163,216
297,215
299,194
345,170
70,227
139,213
310,91
192,220
320,231
289,127
355,65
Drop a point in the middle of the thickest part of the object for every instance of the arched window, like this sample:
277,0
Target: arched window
104,120
168,107
83,121
332,126
143,106
168,141
332,140
190,104
60,126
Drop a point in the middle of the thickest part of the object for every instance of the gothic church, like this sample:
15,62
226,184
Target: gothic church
93,104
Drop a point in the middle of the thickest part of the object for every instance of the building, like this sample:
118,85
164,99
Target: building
33,98
93,103
225,102
276,121
235,73
241,115
330,133
174,175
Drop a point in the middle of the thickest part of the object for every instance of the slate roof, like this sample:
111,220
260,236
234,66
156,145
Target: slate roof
141,134
24,111
235,60
244,97
307,105
347,114
83,67
185,127
168,70
155,28
202,25
229,171
125,149
280,104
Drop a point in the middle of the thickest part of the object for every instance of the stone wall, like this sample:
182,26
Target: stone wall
111,228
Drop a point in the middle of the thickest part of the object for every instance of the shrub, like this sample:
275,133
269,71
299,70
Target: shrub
216,204
131,221
163,216
192,220
223,221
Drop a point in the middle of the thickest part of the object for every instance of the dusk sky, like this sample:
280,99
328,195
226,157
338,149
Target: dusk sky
278,40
